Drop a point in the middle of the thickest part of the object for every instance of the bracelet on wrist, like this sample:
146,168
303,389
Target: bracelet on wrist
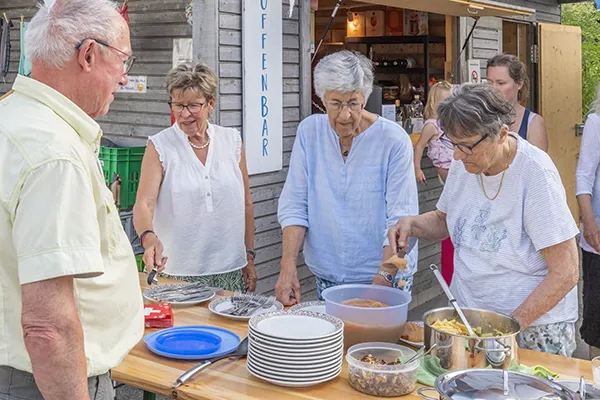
143,235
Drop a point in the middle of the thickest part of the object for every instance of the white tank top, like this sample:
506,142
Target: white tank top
200,210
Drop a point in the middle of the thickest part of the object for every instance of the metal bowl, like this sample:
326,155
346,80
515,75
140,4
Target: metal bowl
589,391
490,384
458,352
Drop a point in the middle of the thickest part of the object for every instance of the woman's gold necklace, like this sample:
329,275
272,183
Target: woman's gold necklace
501,179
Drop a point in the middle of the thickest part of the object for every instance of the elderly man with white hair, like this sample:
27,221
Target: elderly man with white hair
350,179
71,303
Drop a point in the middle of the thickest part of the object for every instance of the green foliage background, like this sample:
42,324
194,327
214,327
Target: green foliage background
586,16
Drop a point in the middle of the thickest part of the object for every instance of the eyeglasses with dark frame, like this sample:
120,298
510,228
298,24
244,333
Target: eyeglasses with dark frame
336,106
193,108
127,64
462,147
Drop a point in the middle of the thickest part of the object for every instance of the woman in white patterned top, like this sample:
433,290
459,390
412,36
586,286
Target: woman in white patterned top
193,203
505,208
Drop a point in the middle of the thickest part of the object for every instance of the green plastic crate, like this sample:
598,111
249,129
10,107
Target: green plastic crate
140,262
127,163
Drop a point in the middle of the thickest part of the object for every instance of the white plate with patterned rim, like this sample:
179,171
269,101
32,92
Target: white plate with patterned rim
279,341
289,357
291,383
293,364
301,360
314,306
329,347
217,306
149,295
289,372
301,325
292,343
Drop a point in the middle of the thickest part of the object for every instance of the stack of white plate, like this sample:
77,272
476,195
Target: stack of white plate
297,349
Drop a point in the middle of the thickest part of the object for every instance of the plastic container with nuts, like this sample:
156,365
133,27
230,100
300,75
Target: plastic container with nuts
377,369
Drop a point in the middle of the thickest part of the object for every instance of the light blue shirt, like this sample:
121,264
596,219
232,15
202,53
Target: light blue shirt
349,207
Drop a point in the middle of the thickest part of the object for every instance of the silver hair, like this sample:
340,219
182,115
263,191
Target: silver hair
474,109
344,71
60,25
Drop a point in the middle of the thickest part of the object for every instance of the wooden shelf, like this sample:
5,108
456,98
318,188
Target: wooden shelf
395,39
398,70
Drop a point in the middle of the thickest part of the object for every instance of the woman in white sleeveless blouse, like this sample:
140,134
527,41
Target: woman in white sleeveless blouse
193,204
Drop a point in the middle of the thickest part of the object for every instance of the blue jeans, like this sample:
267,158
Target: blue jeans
323,284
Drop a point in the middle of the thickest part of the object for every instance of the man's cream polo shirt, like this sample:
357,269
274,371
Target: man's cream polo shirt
57,218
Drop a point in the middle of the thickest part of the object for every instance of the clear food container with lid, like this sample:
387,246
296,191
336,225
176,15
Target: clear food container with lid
367,372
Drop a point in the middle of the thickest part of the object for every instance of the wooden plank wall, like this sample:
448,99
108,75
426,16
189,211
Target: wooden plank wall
265,188
154,25
487,37
14,9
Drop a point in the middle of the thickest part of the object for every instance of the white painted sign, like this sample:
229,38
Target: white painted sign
262,47
474,68
136,84
182,51
388,111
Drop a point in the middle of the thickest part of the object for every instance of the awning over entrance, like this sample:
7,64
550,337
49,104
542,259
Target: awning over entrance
458,8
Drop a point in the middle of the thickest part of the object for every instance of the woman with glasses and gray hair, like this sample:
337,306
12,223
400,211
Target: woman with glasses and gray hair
350,179
193,202
505,208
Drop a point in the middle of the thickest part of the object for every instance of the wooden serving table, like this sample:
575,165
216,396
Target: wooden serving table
229,379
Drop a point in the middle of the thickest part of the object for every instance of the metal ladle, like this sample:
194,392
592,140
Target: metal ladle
440,278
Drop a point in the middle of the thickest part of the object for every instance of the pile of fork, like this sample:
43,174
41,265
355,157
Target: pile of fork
246,304
180,292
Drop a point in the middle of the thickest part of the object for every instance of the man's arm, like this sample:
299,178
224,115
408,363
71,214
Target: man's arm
57,239
563,274
54,339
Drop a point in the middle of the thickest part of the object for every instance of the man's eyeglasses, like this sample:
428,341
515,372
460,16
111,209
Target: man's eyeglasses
193,108
462,147
337,106
127,64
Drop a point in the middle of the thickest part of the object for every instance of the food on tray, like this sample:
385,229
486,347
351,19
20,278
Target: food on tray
365,303
370,359
457,328
413,332
382,383
395,261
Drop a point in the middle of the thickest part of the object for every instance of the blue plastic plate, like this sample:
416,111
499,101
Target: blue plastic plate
187,341
192,342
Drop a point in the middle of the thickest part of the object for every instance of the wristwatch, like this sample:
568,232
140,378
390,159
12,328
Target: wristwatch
251,253
387,276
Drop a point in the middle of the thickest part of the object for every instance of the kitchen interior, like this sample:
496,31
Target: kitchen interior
411,50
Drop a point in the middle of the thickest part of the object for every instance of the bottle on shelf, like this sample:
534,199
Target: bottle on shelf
417,120
399,113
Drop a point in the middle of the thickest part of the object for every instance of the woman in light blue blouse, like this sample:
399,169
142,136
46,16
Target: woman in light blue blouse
350,179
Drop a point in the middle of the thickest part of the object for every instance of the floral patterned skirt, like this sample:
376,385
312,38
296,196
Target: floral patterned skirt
558,338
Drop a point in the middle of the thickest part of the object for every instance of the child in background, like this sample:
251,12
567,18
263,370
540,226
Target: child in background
441,156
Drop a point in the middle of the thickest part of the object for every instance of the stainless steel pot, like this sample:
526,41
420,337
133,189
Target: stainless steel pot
458,352
491,384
